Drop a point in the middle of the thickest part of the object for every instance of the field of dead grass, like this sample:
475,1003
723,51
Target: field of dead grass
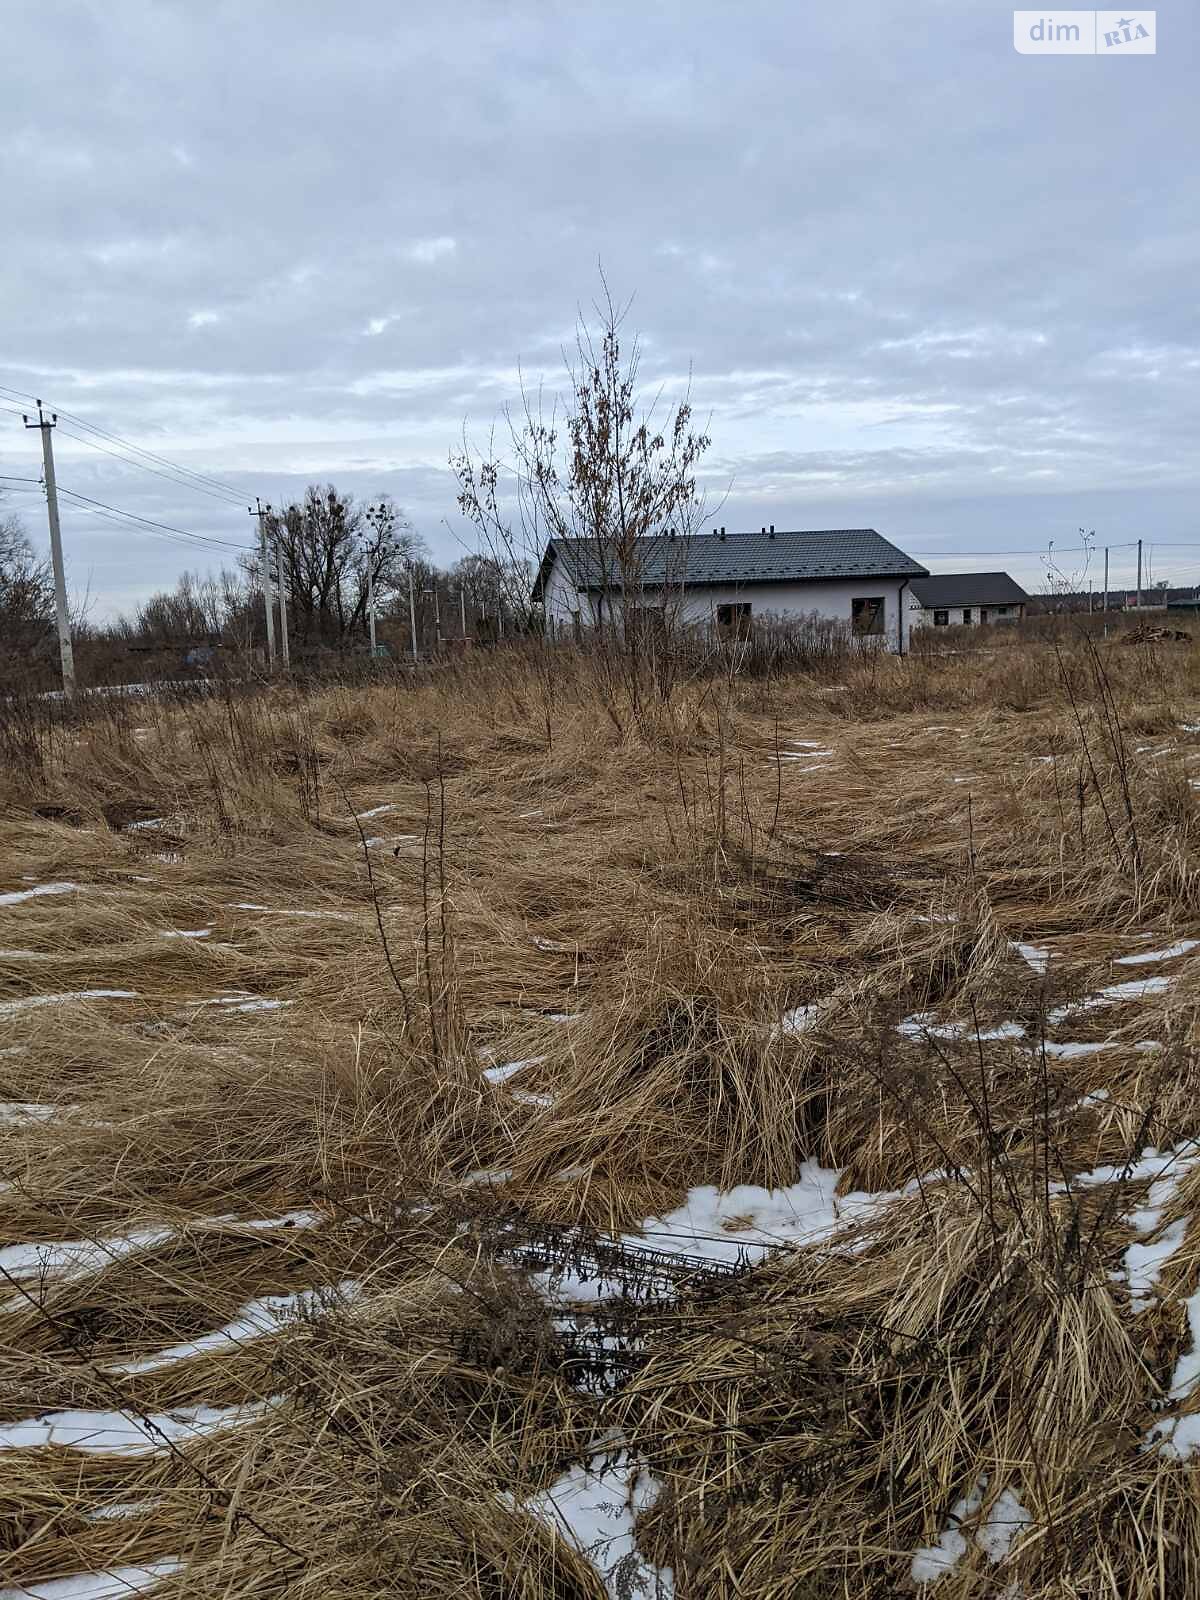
477,1137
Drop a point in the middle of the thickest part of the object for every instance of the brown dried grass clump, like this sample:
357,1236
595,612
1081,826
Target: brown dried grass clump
723,954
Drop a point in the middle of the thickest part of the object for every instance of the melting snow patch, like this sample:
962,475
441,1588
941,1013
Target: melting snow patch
994,1535
188,933
1135,989
76,1257
110,1585
798,1019
31,894
30,1001
1073,1048
500,1074
922,1025
265,1315
1144,1262
1169,954
376,811
121,1433
595,1507
27,1111
1036,957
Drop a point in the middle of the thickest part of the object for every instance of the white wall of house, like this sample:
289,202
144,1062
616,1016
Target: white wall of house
926,616
695,607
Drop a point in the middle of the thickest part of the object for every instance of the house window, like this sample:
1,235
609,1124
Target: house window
941,619
966,615
866,616
734,619
1001,611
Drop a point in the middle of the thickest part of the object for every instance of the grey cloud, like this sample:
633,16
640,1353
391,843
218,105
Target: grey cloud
905,267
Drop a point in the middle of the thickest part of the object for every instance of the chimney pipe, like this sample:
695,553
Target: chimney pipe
772,530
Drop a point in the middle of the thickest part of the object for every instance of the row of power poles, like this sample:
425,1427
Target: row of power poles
266,551
1139,575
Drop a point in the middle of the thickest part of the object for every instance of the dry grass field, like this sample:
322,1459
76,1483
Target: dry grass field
479,1138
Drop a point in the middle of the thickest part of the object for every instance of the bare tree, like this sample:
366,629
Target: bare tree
26,595
612,476
329,546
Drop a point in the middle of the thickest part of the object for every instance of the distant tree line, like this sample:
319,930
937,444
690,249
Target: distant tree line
331,551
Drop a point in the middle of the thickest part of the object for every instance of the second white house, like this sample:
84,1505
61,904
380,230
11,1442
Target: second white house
850,575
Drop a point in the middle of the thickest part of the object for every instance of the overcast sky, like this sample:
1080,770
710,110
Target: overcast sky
922,282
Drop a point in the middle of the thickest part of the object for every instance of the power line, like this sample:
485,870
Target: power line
159,472
149,522
213,483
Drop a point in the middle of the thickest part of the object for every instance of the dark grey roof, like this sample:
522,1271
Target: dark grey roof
736,558
968,589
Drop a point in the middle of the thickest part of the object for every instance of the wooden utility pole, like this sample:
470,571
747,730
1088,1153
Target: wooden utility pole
56,556
1139,586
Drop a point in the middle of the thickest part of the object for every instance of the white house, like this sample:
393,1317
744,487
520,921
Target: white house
850,575
957,599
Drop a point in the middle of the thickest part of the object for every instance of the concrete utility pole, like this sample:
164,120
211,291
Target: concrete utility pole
1106,591
56,556
268,598
283,627
1139,586
371,604
412,614
462,608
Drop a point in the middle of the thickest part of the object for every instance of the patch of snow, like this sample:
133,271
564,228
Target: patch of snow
376,811
595,1507
1144,1262
798,1019
109,1585
935,1561
501,1074
1072,1048
27,1111
922,1025
489,1176
1005,1519
75,1257
1169,954
1134,989
151,822
120,1508
994,1535
525,1097
30,1001
188,933
122,1433
1033,954
267,1314
17,895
